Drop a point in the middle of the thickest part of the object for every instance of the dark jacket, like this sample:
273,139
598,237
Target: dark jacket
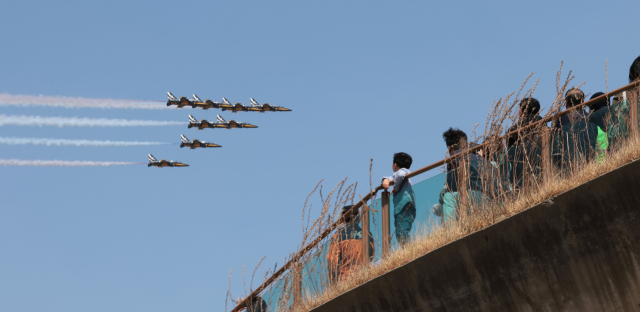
523,122
569,118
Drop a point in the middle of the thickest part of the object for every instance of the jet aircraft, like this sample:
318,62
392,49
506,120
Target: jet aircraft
195,143
226,105
206,104
221,123
182,102
164,163
266,107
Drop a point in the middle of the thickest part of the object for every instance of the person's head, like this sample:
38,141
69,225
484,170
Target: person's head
573,97
634,71
529,106
401,160
346,209
598,105
454,138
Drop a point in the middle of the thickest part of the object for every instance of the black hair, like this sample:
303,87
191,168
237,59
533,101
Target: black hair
403,160
454,136
530,106
346,209
600,104
573,97
634,71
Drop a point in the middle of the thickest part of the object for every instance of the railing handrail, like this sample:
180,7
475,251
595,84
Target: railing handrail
325,233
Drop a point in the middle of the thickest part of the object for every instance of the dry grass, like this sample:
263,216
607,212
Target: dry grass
422,245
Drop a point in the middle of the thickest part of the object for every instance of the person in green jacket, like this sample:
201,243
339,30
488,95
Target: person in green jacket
600,115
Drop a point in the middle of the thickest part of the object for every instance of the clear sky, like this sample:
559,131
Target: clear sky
365,79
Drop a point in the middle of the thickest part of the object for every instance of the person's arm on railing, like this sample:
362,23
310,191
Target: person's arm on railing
395,179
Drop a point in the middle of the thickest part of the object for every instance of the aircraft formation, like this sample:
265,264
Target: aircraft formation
225,105
220,122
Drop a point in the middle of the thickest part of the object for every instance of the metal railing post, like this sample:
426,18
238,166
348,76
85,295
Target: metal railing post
364,213
386,229
463,184
633,107
546,155
297,283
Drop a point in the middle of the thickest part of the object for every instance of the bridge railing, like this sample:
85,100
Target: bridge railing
476,184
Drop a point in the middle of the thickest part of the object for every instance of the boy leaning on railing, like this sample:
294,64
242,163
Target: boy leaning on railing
404,199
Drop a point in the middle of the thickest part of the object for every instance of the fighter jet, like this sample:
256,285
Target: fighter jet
182,102
196,143
164,163
221,123
206,104
266,107
226,105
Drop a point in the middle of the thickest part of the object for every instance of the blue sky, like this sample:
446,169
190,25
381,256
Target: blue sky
365,79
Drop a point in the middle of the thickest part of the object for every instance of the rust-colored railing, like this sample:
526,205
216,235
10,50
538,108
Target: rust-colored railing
386,235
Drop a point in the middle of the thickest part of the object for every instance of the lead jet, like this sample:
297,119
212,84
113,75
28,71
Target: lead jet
266,107
182,102
221,123
239,107
164,163
195,143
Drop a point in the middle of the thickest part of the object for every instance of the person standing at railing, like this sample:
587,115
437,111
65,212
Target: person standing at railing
456,141
573,97
576,140
528,113
404,199
525,147
345,249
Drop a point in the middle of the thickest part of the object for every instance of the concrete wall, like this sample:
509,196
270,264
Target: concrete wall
579,252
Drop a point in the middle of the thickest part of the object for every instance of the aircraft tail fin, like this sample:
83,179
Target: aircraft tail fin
220,119
225,101
254,103
171,96
196,98
184,139
152,159
192,119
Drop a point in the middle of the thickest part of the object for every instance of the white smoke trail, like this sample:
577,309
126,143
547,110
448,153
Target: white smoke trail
81,122
63,163
77,102
61,142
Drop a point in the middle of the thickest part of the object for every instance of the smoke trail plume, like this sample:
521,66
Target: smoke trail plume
61,142
63,163
81,122
77,102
